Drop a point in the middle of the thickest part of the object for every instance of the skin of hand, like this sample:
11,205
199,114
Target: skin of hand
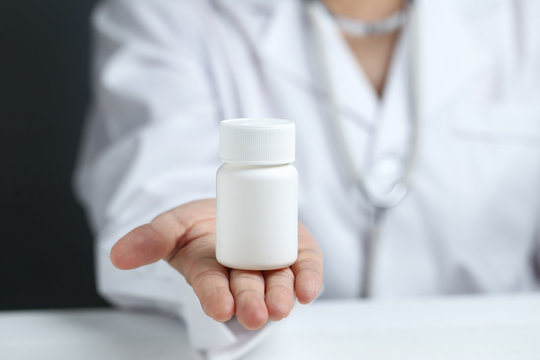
185,237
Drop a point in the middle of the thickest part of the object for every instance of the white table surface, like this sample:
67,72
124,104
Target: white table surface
437,328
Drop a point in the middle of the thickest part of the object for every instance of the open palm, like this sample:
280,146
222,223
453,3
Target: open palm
185,237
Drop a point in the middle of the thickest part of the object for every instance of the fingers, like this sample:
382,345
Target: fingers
247,287
308,268
253,297
259,297
162,237
208,278
279,293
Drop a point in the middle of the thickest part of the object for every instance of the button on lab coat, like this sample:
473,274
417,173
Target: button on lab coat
167,71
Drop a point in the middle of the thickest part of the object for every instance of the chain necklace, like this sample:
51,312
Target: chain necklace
359,28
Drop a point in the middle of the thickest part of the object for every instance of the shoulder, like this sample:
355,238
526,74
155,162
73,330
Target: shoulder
189,10
185,19
148,13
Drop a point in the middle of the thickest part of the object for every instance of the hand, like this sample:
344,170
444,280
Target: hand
185,237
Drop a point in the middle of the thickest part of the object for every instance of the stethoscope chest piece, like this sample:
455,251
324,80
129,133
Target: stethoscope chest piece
383,184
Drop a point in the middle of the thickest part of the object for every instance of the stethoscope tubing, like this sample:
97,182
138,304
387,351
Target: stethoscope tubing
379,205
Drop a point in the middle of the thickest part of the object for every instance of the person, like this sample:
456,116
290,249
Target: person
418,151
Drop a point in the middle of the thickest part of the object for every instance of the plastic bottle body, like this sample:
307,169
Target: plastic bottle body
257,216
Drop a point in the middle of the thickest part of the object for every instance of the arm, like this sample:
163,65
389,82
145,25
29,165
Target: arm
151,145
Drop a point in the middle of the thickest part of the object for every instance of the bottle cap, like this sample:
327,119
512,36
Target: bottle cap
257,141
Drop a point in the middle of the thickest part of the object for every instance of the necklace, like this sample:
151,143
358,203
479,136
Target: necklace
359,28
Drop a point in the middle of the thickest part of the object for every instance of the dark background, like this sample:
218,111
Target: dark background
46,258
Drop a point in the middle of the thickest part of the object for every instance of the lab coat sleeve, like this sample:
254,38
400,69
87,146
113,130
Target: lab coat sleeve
151,144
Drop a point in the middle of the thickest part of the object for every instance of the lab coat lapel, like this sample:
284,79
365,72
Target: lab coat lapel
354,96
445,53
287,48
282,45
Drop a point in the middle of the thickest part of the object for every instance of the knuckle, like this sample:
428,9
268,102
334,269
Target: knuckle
282,291
314,253
241,293
310,265
207,277
244,280
197,271
283,274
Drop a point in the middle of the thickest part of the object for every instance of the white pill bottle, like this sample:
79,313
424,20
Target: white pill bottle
257,195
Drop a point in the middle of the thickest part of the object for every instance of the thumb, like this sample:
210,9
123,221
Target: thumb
141,246
160,238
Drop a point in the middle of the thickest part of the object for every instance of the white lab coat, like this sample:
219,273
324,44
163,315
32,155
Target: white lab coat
167,71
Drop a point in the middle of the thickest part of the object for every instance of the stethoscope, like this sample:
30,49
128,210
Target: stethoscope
379,196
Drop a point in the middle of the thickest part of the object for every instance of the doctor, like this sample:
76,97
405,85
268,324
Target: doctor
418,151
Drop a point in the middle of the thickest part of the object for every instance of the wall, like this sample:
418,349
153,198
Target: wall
46,254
